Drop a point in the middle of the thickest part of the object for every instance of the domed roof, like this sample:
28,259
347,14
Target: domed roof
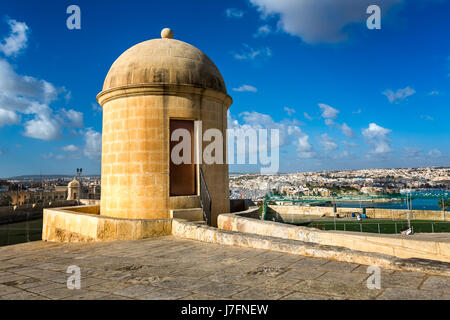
164,61
74,183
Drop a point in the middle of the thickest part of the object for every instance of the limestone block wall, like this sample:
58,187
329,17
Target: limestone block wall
134,157
417,246
214,116
135,152
84,224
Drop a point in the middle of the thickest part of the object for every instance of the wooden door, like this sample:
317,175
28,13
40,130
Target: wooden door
182,176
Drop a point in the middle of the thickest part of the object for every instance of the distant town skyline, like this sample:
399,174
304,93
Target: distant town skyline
342,96
69,175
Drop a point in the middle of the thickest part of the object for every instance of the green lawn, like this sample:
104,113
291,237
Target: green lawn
20,232
380,225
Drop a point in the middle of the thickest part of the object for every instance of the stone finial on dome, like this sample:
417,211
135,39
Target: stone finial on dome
167,33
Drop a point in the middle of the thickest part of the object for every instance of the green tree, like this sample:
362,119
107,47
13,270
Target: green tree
444,204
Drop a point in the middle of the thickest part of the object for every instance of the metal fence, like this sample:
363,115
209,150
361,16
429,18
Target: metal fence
205,199
391,227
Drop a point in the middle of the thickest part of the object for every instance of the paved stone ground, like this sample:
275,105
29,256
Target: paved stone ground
172,268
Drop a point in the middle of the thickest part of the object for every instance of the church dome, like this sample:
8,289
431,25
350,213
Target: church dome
164,61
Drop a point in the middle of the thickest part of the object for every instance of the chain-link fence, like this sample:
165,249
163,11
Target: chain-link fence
387,227
373,220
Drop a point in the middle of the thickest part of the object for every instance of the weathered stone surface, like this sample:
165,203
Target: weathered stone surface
196,231
261,294
340,289
347,277
165,268
437,283
78,224
220,289
412,294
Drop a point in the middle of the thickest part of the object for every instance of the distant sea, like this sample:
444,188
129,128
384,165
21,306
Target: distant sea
418,203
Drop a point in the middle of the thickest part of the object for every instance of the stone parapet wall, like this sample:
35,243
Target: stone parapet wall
84,224
416,246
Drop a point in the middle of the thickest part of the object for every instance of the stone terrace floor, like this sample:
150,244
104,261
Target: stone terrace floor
172,268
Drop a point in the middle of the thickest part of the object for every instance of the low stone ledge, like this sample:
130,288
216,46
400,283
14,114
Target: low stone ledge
395,245
199,231
418,265
252,212
84,224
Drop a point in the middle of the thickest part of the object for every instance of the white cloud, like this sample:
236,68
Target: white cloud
44,125
246,88
96,107
12,84
75,117
328,112
347,131
47,156
17,39
31,97
93,144
234,13
289,111
68,96
263,31
426,117
319,21
70,148
434,93
328,143
25,94
435,153
91,148
350,144
307,116
399,95
8,117
377,137
411,152
342,155
256,120
289,132
249,53
304,148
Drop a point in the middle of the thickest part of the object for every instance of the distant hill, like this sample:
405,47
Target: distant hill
47,176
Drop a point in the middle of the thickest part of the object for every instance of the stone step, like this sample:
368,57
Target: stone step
184,202
190,214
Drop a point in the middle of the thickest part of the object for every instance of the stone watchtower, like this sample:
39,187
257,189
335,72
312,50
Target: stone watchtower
73,190
152,89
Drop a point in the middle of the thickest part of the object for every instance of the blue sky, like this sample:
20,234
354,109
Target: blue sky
357,98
